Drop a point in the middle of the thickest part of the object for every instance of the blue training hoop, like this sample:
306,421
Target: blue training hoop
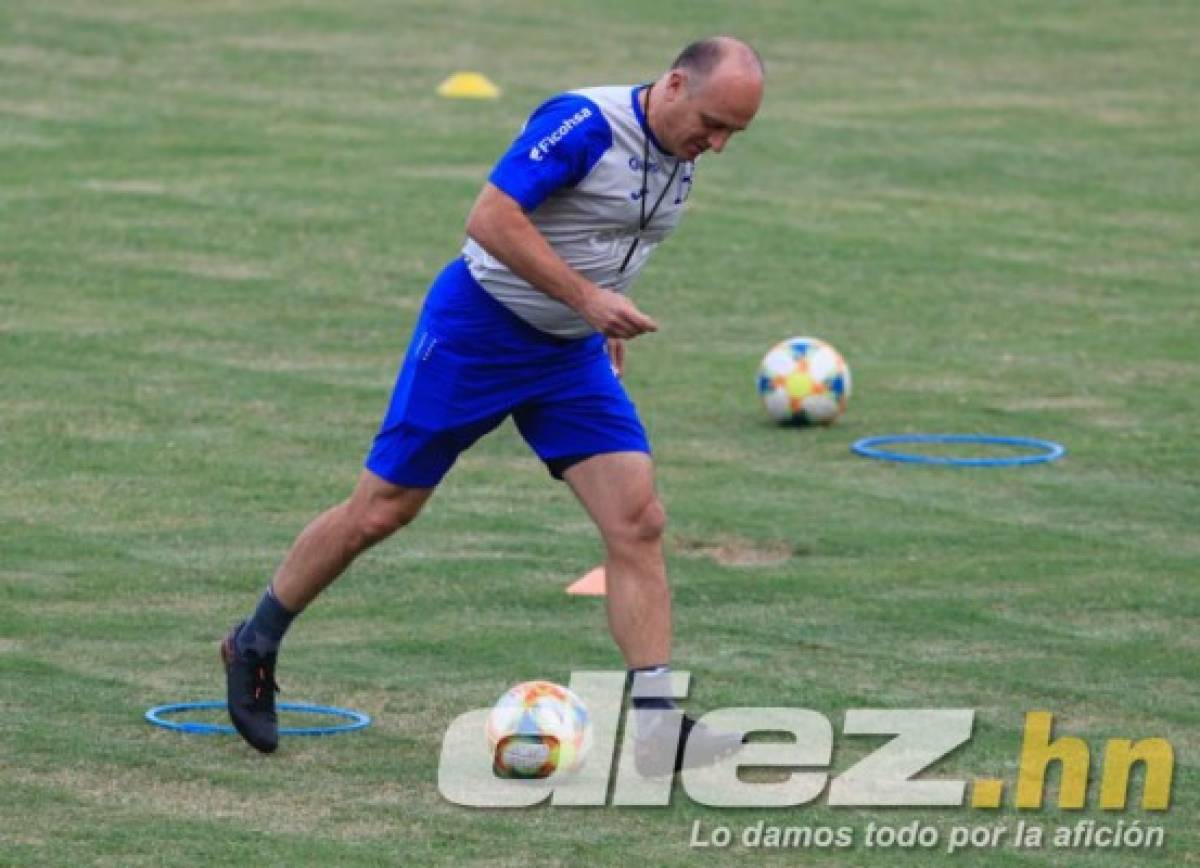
1050,451
357,719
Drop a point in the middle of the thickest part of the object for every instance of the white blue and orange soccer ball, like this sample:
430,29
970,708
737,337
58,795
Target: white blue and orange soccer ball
804,381
538,729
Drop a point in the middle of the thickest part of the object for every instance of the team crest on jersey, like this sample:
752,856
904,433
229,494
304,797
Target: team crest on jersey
652,167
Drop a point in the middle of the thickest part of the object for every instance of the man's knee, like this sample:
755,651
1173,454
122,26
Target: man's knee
379,522
373,519
644,524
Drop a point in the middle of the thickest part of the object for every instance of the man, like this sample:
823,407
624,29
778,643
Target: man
530,322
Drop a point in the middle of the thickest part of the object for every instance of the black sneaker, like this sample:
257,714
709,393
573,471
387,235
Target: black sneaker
655,755
250,694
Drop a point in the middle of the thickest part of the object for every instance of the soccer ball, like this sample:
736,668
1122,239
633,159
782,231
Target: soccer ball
537,729
804,381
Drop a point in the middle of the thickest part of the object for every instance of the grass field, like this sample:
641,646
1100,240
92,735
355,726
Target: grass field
217,221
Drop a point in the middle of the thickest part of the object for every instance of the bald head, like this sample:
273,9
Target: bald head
712,91
704,56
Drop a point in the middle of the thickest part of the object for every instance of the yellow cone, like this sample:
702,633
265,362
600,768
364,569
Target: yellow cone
468,85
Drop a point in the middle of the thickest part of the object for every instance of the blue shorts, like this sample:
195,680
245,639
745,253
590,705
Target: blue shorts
471,364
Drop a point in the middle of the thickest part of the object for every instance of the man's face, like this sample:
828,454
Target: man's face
701,116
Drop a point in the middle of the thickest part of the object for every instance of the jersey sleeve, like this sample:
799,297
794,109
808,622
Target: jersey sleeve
562,140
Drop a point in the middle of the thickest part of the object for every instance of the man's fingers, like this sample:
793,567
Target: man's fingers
622,319
627,329
645,323
633,323
640,326
616,356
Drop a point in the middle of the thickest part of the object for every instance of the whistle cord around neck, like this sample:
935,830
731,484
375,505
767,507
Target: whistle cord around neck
644,218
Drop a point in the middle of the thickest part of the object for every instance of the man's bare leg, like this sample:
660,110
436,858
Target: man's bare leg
617,490
319,555
323,550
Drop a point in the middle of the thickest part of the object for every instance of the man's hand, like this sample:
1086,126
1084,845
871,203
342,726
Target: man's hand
616,356
615,316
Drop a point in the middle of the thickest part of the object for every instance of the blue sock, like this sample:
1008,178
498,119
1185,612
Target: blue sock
263,633
656,681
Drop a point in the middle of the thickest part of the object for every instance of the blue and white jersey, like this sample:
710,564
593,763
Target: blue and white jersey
576,170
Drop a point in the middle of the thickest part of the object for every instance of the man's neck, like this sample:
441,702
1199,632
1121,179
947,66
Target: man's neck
647,106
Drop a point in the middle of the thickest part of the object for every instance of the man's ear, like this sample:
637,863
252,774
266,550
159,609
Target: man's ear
677,82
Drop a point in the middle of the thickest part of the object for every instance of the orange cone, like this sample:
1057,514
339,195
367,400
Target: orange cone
590,585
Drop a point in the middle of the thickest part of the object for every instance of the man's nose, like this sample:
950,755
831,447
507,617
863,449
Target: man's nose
718,141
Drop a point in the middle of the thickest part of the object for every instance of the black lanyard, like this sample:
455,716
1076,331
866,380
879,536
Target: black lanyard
644,219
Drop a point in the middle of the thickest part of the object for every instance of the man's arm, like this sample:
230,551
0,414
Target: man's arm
500,226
